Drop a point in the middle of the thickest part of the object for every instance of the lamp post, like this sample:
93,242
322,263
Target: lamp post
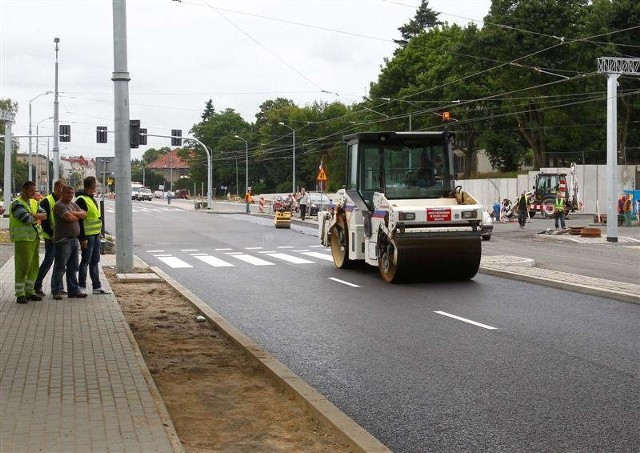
38,147
30,161
246,168
294,155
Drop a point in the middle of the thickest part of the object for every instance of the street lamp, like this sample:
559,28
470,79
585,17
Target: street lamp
246,162
38,152
30,161
294,154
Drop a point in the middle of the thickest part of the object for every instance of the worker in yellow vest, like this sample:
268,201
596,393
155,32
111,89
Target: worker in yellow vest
558,207
47,204
24,229
90,233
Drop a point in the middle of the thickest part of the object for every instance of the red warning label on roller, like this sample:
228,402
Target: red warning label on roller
438,215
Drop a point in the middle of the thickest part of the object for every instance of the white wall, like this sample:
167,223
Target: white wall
592,185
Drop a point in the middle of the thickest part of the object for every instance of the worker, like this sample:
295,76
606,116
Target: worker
248,199
621,202
24,230
48,226
523,208
558,207
628,208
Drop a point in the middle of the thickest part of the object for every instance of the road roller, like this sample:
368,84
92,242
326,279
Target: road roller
401,211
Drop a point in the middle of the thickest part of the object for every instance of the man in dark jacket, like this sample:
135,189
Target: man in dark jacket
47,204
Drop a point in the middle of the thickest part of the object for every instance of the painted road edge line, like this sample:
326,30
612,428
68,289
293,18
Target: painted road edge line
343,282
469,321
314,401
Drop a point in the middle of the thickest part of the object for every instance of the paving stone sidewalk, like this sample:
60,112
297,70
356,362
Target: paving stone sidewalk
72,379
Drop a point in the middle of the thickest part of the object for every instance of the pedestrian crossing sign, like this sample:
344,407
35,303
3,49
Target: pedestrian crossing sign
322,176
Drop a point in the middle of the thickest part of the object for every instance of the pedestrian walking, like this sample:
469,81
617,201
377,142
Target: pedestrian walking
48,225
628,208
523,209
65,242
304,201
621,202
558,206
24,230
89,237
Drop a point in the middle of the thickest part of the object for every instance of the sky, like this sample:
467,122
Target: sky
182,53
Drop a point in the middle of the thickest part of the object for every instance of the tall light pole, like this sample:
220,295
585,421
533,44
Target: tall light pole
246,170
38,147
56,120
30,147
294,155
246,162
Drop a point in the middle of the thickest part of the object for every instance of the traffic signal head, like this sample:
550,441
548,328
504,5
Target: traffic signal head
134,133
101,134
175,137
65,133
143,136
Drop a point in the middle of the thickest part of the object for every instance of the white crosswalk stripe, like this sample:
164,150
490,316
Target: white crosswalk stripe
213,261
265,260
174,262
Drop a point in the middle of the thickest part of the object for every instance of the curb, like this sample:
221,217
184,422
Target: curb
319,406
559,284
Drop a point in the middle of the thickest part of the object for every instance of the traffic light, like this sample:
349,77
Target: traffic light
65,133
101,134
143,136
174,140
134,133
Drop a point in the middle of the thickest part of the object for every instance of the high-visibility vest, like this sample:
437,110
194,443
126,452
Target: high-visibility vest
92,222
559,204
20,231
51,218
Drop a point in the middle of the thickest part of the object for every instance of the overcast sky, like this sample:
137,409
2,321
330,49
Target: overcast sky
180,54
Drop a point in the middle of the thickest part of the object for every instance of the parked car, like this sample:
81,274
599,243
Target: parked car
134,192
158,194
145,194
318,201
487,225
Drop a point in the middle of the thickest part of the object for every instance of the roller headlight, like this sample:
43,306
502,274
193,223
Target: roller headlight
469,214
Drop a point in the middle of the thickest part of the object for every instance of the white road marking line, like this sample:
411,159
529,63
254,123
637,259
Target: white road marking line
174,262
322,256
286,247
289,258
162,254
459,318
198,254
213,261
316,246
267,251
223,250
253,248
252,259
189,250
155,251
301,250
343,282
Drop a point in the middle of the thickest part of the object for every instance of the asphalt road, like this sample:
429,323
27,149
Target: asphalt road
547,370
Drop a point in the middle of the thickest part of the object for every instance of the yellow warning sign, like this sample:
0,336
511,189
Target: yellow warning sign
322,176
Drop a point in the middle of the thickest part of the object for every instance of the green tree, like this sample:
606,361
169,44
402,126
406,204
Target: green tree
424,19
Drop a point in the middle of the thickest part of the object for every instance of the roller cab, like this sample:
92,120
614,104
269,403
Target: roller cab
400,210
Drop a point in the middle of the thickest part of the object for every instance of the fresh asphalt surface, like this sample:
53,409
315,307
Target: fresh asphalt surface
559,371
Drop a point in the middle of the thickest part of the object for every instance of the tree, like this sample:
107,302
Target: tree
424,19
209,111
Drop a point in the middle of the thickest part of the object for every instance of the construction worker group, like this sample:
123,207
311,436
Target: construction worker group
71,230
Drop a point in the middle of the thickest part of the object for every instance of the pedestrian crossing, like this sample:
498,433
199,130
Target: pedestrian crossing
135,208
253,256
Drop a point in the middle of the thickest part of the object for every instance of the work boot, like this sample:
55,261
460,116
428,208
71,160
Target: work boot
35,297
21,300
40,293
58,296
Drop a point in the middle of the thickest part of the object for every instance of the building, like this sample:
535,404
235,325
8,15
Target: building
171,166
75,169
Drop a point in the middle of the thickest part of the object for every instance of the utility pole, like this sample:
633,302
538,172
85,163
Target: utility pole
56,120
8,118
614,68
120,77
